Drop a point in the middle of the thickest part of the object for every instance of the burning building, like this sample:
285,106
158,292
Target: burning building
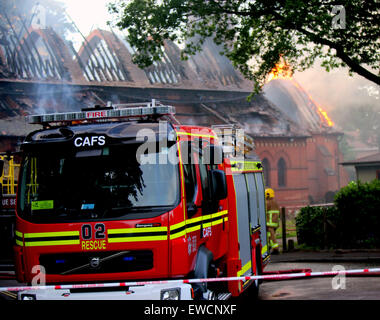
42,72
305,167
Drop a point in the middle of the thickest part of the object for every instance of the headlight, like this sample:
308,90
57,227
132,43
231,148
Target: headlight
171,294
28,297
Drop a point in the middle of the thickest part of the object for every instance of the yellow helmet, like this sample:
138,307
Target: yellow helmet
269,193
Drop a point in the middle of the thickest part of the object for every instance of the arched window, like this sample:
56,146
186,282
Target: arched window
266,170
281,172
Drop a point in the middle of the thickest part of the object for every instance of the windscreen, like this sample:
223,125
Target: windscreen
107,183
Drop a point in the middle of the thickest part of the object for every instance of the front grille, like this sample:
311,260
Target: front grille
99,262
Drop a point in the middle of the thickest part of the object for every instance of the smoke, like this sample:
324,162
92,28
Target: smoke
335,90
55,98
352,102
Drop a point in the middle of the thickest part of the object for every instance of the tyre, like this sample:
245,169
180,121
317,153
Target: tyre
203,269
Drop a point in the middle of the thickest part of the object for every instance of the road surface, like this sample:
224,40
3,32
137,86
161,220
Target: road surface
326,288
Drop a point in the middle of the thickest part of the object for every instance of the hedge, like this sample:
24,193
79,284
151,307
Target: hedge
353,221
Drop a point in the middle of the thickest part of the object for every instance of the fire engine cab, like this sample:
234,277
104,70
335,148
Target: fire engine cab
125,192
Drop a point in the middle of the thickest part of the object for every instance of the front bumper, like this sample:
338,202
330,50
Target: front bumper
146,292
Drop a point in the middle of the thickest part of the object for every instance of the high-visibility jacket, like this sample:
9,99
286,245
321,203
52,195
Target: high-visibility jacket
273,213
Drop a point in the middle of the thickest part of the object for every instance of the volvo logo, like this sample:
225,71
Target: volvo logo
94,262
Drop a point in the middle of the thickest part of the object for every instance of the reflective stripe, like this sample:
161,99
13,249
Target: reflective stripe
124,234
253,230
51,234
137,239
137,230
19,238
51,243
194,224
264,250
51,238
191,225
18,233
178,230
245,268
272,225
137,234
196,135
219,221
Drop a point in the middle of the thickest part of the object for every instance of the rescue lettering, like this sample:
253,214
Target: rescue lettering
8,203
94,245
90,141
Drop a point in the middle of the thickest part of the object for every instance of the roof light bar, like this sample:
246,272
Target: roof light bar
118,111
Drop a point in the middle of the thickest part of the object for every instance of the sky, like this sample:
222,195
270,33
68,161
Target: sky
88,14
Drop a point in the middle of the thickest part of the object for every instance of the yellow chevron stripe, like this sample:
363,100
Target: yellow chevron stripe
51,243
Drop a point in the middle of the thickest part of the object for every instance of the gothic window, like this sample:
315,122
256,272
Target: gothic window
281,172
266,170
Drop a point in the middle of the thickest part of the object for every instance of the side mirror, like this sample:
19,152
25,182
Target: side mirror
219,184
213,154
191,209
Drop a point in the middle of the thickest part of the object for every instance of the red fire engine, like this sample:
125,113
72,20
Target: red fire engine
125,192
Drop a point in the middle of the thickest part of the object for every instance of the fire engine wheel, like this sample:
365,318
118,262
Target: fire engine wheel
204,269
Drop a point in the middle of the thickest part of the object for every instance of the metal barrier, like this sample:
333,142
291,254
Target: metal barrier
9,176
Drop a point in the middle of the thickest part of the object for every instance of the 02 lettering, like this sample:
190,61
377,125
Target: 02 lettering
99,242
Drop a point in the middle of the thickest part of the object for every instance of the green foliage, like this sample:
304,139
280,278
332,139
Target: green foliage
310,223
359,204
354,221
254,34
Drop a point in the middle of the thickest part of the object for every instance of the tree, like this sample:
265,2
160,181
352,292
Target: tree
253,34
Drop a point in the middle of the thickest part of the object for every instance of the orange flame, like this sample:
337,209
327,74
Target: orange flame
282,70
327,119
321,112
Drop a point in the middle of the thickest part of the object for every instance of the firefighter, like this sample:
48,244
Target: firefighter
273,214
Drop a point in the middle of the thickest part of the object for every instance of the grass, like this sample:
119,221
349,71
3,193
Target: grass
290,229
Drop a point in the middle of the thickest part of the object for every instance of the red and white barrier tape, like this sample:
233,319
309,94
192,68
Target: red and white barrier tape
156,282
